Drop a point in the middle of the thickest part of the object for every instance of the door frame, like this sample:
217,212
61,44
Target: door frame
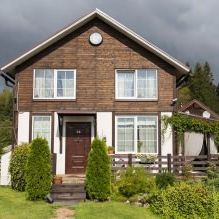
77,122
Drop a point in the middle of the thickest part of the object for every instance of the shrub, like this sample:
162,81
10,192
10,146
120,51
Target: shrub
38,170
213,184
164,179
98,172
134,181
212,170
185,200
17,167
187,171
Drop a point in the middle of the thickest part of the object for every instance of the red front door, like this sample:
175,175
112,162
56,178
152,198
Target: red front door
78,143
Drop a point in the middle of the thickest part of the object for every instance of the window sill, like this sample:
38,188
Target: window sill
54,100
137,100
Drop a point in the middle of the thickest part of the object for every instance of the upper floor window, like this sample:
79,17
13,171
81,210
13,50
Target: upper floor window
136,84
54,83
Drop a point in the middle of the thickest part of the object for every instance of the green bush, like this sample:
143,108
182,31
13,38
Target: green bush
164,179
185,200
212,171
213,183
98,172
38,170
17,167
134,181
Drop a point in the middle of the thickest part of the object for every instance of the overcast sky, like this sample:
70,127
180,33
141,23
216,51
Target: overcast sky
187,29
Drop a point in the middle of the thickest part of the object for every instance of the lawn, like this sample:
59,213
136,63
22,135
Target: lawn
13,205
111,210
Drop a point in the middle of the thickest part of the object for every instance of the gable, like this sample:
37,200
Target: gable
197,108
182,69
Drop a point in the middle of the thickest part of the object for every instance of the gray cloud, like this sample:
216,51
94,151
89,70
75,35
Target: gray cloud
186,29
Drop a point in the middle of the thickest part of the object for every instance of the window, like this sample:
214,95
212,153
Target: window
41,127
136,84
136,134
54,83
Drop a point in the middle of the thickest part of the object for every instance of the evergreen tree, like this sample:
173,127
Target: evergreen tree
38,171
98,172
202,86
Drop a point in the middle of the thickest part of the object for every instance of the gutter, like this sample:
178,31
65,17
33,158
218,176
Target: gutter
9,81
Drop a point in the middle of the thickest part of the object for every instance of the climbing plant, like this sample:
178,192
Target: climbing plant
182,123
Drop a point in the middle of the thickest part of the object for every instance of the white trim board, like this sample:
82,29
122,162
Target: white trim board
113,23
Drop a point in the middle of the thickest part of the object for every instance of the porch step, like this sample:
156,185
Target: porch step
73,178
68,193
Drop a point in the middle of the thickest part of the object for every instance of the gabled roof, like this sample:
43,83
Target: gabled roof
201,105
110,21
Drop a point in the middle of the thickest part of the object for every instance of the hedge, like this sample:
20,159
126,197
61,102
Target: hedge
39,174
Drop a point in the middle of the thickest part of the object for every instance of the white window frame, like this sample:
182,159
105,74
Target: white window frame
50,128
136,98
55,86
135,133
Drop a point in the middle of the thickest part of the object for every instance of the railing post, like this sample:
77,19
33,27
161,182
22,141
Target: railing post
208,147
130,160
169,163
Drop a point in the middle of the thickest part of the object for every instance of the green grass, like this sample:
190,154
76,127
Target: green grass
13,205
111,210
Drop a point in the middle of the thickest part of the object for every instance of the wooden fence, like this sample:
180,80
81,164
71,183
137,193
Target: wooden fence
172,163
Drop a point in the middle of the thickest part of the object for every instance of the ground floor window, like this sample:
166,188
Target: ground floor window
41,127
136,134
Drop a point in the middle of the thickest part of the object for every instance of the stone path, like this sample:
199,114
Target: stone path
64,213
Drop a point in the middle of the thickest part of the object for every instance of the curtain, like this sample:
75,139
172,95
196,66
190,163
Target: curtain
65,84
41,127
193,143
147,135
146,83
125,84
125,134
44,80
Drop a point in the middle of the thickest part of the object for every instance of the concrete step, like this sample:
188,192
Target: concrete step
68,196
68,192
73,178
67,202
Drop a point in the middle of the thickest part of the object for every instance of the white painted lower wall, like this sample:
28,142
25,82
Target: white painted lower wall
213,146
5,176
23,127
167,138
104,126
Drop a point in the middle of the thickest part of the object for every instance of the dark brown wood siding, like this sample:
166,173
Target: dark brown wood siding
95,65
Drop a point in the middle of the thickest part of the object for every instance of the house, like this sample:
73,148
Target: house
197,143
95,77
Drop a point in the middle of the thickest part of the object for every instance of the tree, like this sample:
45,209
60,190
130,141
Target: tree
184,96
202,87
38,172
98,172
217,89
6,111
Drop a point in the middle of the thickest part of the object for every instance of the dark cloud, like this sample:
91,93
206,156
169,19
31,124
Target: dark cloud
186,29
